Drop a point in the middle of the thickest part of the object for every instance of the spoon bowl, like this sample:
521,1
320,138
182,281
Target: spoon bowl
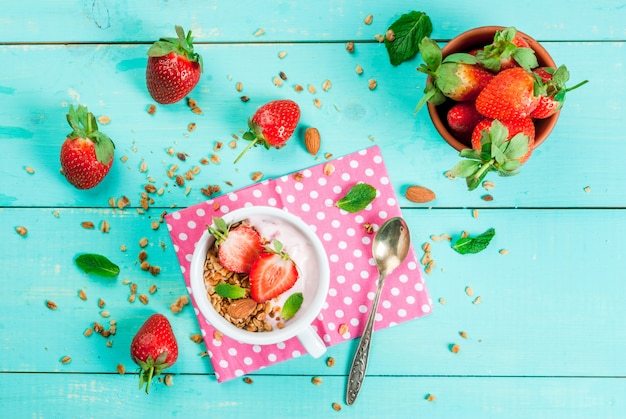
389,249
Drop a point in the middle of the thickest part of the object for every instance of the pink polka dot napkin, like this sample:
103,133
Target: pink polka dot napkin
311,195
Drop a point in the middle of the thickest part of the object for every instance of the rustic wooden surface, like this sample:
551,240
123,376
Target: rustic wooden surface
548,337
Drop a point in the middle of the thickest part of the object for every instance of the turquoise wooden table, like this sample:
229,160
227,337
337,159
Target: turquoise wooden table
537,317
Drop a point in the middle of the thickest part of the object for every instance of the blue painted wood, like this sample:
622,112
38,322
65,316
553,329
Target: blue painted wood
545,339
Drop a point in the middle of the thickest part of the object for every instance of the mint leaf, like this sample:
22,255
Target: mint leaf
466,245
97,264
292,305
408,31
357,198
233,292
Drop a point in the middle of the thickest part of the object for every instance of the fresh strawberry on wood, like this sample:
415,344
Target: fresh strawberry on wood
154,348
551,90
508,49
173,68
509,95
272,125
272,274
462,117
499,152
457,77
86,153
238,248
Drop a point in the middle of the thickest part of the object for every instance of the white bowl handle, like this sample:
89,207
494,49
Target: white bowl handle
312,342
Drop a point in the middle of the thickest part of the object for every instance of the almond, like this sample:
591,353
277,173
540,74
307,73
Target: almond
312,140
419,194
240,309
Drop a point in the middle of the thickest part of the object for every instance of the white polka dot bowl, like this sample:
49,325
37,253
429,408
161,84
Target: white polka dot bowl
305,249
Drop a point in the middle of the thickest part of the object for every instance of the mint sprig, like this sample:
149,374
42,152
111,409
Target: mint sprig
357,198
234,292
407,32
92,263
467,245
292,305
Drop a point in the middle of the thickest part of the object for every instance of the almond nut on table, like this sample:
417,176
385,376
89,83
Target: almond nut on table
419,194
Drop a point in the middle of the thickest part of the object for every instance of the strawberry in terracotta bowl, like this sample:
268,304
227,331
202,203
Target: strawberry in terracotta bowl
260,276
494,94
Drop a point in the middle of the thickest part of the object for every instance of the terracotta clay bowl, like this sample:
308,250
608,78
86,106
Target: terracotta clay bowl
477,38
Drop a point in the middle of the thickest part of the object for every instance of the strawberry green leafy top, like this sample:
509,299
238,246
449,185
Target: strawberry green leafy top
84,125
182,45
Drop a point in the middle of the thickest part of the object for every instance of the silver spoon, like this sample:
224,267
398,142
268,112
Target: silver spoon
390,248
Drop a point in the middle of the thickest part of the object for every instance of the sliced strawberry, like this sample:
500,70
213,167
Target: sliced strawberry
237,248
272,274
462,118
509,95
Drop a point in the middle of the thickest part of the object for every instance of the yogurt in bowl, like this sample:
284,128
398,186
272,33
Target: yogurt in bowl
303,247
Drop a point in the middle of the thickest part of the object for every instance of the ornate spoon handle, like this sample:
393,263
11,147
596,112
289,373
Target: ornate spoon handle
359,363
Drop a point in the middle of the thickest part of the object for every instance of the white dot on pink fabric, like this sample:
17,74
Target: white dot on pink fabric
200,212
233,197
271,357
349,266
223,363
410,299
339,314
341,279
257,193
176,216
322,181
305,207
369,172
238,373
356,287
247,360
345,177
272,202
182,236
314,194
191,224
354,164
425,308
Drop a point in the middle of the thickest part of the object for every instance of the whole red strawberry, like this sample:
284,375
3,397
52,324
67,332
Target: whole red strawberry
457,77
86,153
272,125
173,68
508,49
154,348
462,117
272,274
551,90
524,126
509,95
497,151
238,248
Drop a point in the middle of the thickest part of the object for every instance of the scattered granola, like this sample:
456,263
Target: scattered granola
21,230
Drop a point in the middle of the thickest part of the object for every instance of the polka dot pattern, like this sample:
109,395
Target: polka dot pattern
348,245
